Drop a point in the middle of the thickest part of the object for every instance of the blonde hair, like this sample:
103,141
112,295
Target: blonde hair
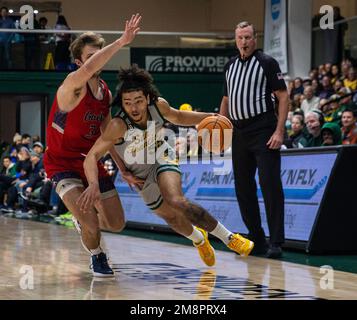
87,38
17,137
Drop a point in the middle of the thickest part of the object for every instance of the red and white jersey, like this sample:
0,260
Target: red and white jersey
70,135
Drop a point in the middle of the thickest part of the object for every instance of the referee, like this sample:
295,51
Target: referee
253,82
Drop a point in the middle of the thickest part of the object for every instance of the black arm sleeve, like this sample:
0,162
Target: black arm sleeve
225,89
274,75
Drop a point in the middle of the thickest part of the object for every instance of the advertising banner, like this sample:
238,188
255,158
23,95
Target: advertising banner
304,179
275,32
171,60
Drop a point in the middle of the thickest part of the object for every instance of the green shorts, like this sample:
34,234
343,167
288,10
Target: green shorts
151,192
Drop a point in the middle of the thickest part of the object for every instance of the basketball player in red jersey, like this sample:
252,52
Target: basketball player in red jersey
80,111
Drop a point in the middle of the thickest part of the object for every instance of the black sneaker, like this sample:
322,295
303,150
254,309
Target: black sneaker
260,250
100,266
274,252
7,209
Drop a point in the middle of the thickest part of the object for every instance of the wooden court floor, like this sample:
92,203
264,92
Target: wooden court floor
45,261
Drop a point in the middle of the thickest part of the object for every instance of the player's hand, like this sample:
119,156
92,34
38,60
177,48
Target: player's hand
131,29
132,180
89,196
276,140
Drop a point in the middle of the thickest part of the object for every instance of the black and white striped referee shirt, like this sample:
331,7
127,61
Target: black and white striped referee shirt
249,85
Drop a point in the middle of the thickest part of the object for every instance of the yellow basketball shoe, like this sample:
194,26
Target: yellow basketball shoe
240,244
205,249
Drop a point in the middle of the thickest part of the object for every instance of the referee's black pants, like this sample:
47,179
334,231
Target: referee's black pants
249,152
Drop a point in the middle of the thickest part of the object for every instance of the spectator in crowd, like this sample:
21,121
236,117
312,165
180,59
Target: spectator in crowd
296,138
349,128
314,74
36,193
316,87
310,102
288,121
323,103
38,148
299,113
7,177
297,89
327,90
338,85
37,173
9,168
335,74
290,87
328,68
26,140
322,72
345,102
5,38
23,171
23,165
345,67
306,83
314,121
43,23
331,106
351,80
298,98
45,37
35,179
15,147
63,41
331,134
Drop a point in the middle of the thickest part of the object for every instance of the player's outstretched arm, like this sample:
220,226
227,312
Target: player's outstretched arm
114,131
77,79
182,118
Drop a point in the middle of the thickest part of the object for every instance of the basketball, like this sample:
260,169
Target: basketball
215,134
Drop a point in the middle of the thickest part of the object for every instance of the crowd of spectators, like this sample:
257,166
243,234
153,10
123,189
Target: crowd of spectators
25,190
323,107
24,187
322,112
33,43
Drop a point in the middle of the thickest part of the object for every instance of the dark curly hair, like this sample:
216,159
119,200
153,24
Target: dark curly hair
135,79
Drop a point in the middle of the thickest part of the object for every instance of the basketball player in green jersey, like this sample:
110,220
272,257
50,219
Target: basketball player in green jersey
141,110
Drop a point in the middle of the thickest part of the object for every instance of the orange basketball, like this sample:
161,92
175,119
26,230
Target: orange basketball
215,134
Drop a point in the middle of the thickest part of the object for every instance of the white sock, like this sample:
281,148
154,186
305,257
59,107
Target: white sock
222,233
196,236
96,251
